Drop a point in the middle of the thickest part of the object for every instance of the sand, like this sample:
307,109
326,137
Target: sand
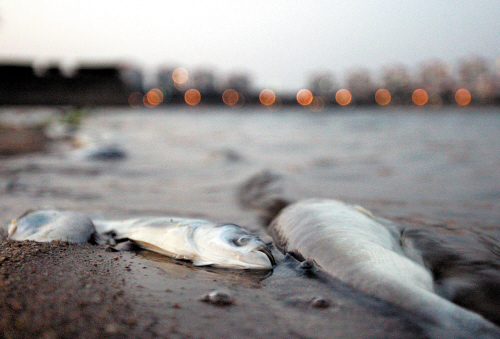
63,290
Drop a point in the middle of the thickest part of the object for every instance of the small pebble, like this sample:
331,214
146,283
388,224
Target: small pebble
218,298
319,302
112,328
307,265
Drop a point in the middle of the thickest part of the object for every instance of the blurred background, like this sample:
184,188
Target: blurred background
339,52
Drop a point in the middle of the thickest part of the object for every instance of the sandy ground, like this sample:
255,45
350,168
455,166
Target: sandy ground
62,290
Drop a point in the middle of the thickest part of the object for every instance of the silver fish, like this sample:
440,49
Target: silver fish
367,253
200,241
47,225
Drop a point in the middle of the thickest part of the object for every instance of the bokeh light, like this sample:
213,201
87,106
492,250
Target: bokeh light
304,97
383,97
317,104
326,84
420,97
230,97
267,97
192,97
154,97
463,97
343,97
135,99
276,105
180,76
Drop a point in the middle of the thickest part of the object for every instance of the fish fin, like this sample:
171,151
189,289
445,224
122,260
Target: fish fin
98,239
126,246
260,193
12,228
202,262
364,211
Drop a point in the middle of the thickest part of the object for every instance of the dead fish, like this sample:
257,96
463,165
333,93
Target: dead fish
365,252
202,242
46,225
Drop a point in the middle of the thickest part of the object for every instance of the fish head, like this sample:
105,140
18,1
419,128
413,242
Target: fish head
231,246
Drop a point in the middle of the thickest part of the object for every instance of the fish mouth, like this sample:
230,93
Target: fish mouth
268,253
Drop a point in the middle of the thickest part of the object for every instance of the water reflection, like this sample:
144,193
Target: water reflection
180,269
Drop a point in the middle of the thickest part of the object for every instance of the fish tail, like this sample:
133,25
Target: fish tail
464,272
260,193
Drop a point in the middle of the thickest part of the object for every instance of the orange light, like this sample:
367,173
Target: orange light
241,100
383,97
192,97
343,97
304,97
230,97
146,102
267,97
463,97
317,104
135,99
154,97
420,97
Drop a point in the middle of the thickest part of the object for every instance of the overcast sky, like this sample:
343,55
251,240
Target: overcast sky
277,42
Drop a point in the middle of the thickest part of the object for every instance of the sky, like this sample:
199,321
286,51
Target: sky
279,43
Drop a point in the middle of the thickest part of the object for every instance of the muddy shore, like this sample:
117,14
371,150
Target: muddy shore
63,290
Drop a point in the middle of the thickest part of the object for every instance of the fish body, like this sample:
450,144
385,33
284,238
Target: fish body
200,241
46,225
368,254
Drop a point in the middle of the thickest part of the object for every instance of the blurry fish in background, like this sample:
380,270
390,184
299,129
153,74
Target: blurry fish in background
91,145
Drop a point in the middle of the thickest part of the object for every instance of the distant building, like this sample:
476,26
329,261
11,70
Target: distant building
436,79
475,75
397,81
323,84
133,77
204,81
240,82
360,85
90,85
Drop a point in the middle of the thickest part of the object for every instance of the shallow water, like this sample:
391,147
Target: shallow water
439,166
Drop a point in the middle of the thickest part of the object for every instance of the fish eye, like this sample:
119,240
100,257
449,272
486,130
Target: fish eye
241,241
